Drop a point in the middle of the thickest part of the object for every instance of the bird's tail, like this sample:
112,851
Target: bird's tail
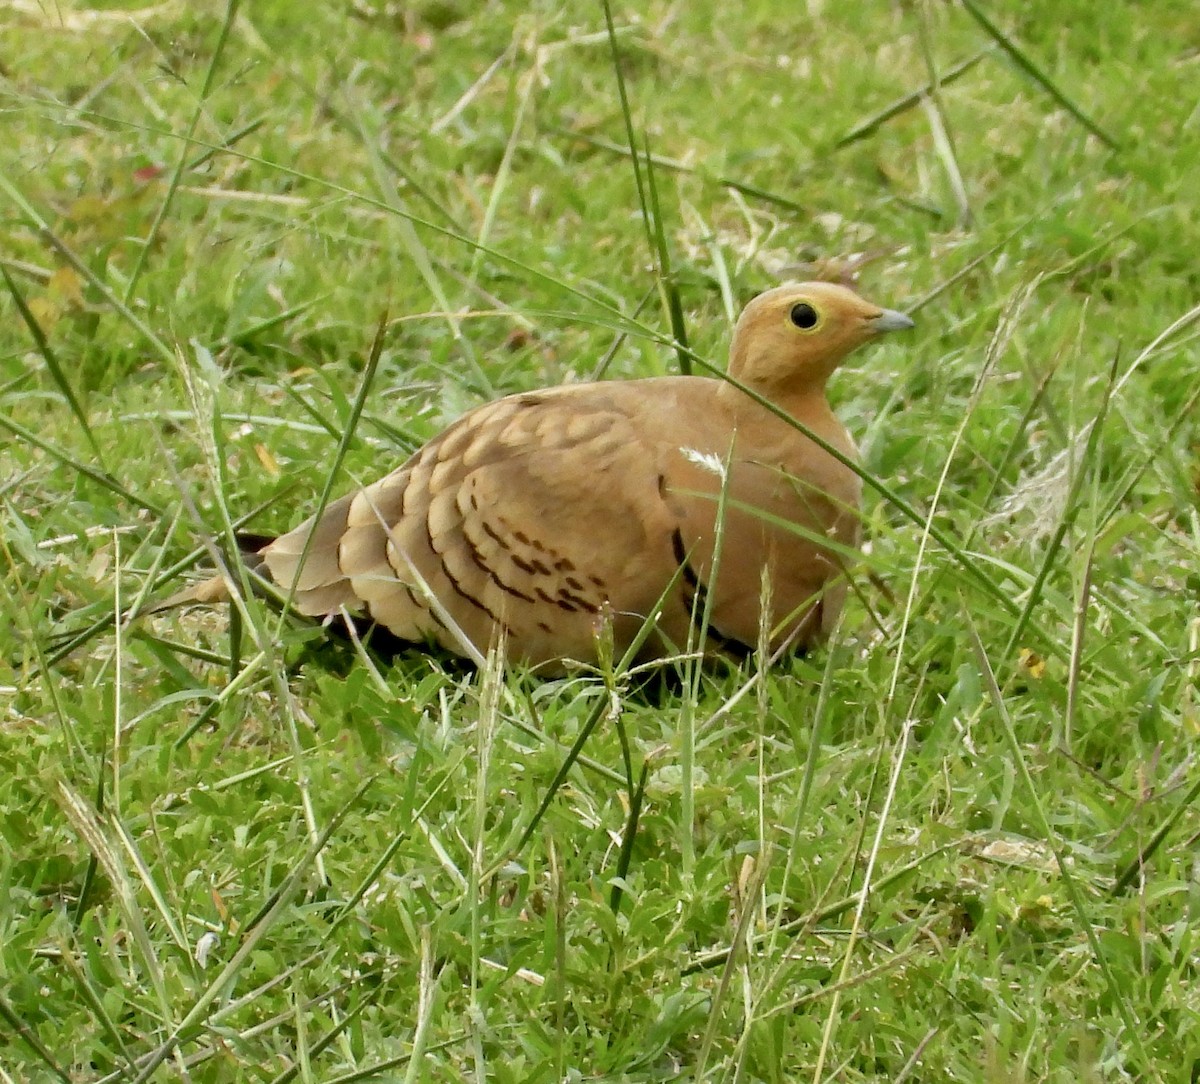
217,588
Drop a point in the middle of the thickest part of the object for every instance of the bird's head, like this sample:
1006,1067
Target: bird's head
793,337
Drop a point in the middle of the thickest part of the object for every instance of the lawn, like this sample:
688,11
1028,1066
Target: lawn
256,254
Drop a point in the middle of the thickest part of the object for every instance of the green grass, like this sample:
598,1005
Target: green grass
957,844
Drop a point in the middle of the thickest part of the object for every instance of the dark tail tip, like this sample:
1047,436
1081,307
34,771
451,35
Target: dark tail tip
249,544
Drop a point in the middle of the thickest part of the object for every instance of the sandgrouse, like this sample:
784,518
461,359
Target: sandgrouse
573,516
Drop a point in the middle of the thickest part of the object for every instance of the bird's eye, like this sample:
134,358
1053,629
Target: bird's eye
804,316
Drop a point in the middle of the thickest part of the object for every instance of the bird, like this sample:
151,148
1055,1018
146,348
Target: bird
670,514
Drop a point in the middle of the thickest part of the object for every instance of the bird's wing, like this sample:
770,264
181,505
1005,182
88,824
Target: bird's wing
541,515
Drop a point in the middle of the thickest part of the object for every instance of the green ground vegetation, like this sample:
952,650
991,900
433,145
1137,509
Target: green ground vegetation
959,843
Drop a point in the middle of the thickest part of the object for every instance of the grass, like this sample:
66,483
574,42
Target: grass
957,844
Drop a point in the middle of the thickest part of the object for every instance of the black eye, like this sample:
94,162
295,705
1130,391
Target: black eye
804,316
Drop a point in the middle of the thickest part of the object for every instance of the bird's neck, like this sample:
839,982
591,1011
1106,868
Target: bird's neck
808,406
805,401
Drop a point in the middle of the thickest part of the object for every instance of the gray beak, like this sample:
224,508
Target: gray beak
889,320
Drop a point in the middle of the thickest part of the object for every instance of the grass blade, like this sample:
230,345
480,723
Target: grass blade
52,364
95,1003
53,241
29,1037
1070,511
257,929
742,187
597,715
862,896
290,1074
185,149
872,124
526,84
1022,61
647,194
236,136
72,641
628,118
418,253
666,279
939,124
1133,1031
339,455
1136,864
625,856
88,825
100,477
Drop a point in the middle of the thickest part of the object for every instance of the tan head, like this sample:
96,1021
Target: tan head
793,337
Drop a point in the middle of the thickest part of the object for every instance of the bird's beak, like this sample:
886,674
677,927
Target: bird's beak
889,320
